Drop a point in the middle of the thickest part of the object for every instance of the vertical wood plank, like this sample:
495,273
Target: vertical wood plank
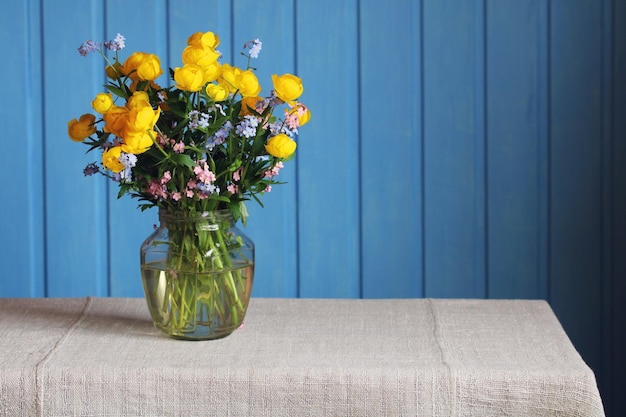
391,151
576,173
454,149
22,259
127,225
76,207
328,158
273,227
517,148
190,16
605,374
616,361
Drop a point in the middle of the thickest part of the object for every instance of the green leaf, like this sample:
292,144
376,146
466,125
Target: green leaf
235,165
181,159
116,90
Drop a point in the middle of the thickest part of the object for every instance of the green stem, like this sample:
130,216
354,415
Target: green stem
154,141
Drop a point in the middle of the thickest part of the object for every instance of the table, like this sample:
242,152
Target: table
294,357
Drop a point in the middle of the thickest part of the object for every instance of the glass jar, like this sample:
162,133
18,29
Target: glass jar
197,271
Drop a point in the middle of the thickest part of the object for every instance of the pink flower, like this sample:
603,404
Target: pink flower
176,196
291,118
157,189
179,147
189,193
167,176
237,175
203,174
162,139
232,188
268,189
274,171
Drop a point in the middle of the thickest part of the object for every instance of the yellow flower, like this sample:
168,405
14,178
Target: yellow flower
212,72
111,159
248,103
115,120
102,103
301,112
304,117
288,87
199,55
141,119
247,83
79,130
137,143
217,92
209,39
189,77
149,68
138,100
132,62
114,71
280,146
142,66
229,77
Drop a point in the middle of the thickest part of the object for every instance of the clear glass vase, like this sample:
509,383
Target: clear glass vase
197,271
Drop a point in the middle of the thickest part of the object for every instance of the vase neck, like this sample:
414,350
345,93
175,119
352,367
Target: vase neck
186,216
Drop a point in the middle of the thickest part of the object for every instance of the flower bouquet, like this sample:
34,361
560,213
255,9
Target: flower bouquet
198,150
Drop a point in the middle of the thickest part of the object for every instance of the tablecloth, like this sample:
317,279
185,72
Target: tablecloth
294,357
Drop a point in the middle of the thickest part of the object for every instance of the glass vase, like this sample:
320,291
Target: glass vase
197,271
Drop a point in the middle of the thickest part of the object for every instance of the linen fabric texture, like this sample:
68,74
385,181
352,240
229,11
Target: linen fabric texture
294,357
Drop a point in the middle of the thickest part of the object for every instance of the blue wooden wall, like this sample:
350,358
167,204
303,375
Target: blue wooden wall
457,148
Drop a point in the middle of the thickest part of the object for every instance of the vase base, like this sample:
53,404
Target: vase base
197,338
199,334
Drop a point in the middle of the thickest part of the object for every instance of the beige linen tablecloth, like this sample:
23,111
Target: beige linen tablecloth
294,357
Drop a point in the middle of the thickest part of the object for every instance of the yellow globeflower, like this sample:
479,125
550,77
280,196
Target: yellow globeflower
212,72
102,103
149,69
301,112
115,120
248,103
142,66
209,39
79,130
229,77
132,63
280,146
137,143
304,117
138,100
189,77
247,83
114,71
199,55
111,159
217,92
288,87
141,119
